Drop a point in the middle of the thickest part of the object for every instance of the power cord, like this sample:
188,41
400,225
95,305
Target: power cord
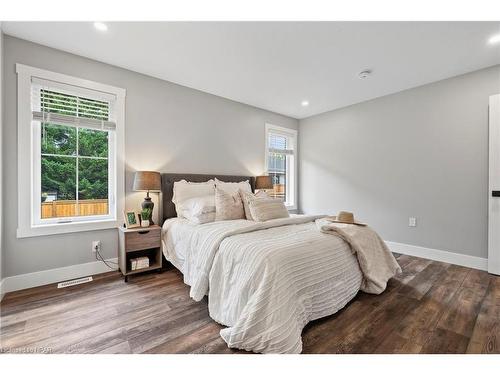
99,257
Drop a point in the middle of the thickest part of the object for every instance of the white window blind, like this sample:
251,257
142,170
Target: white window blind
70,106
280,144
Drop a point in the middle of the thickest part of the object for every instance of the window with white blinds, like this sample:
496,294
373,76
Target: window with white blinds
74,157
281,163
74,140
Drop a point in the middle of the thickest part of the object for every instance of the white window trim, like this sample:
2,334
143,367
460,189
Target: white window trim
294,135
27,169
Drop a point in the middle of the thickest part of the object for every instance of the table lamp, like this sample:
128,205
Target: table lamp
263,182
147,181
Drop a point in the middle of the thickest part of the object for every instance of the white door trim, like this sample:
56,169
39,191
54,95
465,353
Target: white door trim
494,185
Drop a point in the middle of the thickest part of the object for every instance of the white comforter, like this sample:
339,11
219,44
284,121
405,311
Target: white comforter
265,281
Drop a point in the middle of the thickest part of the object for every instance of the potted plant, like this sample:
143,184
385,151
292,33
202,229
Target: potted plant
145,217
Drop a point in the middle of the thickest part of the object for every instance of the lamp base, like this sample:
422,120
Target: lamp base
148,204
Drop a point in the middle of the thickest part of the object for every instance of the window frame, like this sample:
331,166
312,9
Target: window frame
29,166
292,135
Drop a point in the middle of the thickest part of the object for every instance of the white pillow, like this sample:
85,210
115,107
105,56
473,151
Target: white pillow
233,187
203,218
184,190
197,206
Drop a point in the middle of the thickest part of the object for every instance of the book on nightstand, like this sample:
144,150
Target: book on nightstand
138,263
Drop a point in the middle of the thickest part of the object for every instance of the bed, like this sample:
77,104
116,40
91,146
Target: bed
264,280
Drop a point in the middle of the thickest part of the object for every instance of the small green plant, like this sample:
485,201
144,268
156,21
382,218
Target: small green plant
146,214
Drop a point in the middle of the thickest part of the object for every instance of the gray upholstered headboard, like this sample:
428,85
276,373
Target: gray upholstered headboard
167,187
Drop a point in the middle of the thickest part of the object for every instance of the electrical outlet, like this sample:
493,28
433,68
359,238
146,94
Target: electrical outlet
412,222
96,246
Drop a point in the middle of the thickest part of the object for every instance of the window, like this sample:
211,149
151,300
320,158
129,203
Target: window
71,137
281,164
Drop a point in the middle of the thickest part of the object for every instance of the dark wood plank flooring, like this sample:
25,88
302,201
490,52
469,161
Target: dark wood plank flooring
431,307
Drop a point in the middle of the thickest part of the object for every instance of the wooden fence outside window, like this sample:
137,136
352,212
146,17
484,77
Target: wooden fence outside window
67,208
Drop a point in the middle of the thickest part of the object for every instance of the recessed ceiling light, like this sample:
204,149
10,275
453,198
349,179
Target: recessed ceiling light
494,39
364,74
304,103
101,26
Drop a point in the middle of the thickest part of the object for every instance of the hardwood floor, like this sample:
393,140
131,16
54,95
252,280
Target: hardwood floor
431,307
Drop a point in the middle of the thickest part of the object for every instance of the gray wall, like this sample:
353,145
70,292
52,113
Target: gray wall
421,152
169,128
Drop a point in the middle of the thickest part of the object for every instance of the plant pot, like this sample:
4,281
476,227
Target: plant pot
145,223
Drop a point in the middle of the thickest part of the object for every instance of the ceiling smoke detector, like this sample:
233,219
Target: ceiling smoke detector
364,74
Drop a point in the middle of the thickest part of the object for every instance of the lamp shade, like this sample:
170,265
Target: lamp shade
263,182
147,181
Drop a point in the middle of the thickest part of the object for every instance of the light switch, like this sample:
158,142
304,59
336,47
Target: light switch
412,222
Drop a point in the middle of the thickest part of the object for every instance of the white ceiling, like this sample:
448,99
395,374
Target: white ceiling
277,65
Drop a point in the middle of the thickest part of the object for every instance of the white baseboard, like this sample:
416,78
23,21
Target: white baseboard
439,255
55,275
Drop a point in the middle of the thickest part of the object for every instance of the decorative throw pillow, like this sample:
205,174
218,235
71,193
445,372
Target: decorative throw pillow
233,187
267,209
247,197
228,206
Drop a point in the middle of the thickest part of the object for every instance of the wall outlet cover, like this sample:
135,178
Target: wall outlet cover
96,246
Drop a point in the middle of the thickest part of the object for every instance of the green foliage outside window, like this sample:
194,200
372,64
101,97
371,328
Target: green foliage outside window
93,179
59,176
59,169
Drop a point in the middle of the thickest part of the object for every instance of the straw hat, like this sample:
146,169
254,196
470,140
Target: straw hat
345,218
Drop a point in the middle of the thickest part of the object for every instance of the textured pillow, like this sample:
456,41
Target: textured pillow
228,206
233,187
184,190
194,207
267,209
247,197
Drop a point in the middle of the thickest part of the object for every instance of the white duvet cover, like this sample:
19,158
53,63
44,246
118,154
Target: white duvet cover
265,281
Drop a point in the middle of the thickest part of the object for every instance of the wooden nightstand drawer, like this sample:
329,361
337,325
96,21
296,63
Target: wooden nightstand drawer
143,239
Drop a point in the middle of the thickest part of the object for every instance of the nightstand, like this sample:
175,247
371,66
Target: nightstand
139,242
